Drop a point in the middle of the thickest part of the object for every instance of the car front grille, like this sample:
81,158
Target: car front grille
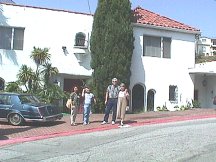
52,110
48,111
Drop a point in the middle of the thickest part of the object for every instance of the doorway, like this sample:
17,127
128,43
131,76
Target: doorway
150,100
138,98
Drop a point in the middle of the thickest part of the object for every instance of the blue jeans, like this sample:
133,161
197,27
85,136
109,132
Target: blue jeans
111,104
86,112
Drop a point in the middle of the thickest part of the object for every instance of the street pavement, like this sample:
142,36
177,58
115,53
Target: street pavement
36,131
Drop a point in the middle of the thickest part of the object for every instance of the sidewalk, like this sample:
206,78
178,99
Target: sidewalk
35,131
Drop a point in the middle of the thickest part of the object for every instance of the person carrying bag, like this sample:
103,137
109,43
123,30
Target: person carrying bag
73,104
70,104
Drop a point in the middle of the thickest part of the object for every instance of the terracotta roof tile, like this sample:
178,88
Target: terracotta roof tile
142,16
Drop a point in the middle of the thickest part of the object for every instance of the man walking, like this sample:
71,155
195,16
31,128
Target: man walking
111,101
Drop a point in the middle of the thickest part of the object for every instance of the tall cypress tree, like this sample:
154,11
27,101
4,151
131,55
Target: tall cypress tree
111,45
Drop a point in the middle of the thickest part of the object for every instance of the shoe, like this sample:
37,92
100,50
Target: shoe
73,124
84,123
103,123
122,123
113,122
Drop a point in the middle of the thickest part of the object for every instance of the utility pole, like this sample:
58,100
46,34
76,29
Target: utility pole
89,7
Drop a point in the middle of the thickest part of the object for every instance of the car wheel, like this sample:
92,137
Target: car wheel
15,119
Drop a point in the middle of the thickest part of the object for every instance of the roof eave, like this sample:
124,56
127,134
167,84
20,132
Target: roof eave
167,28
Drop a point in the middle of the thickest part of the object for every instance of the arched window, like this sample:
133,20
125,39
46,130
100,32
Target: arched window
2,84
80,39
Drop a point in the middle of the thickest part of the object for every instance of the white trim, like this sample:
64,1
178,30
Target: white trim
165,28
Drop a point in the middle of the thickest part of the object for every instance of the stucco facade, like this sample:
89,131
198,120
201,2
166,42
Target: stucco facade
157,74
152,78
47,28
204,75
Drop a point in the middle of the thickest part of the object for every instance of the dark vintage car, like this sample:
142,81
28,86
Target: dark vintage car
18,108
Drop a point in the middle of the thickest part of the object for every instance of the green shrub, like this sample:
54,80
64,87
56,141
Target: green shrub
196,104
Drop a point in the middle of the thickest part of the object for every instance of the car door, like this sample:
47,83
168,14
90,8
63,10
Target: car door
5,105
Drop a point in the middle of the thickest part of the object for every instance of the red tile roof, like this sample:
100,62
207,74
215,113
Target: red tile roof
142,16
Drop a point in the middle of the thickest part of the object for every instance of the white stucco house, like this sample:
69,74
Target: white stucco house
163,62
164,50
66,34
204,46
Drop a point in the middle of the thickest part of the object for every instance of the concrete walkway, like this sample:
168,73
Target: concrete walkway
35,131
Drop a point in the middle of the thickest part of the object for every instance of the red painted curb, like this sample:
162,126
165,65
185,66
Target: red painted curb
107,127
173,119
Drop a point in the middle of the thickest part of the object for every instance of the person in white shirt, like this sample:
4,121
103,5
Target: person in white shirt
122,103
89,98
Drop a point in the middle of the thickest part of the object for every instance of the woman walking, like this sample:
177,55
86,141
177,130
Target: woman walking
122,103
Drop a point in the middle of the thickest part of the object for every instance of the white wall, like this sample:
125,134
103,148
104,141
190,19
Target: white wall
206,93
204,46
45,28
159,73
54,29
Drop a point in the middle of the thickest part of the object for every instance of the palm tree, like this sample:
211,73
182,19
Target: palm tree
40,57
48,71
25,76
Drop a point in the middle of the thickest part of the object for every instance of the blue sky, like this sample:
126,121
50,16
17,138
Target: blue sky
196,13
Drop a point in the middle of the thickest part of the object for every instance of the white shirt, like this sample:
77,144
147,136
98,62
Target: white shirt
121,94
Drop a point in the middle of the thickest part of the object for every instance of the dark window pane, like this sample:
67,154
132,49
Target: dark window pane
151,46
18,39
80,39
166,47
172,93
5,37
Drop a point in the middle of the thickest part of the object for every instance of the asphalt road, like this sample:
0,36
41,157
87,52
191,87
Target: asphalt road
188,141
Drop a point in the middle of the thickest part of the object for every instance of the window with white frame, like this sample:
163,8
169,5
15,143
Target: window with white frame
173,93
157,46
11,38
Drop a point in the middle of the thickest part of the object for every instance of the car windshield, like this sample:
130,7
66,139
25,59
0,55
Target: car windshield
28,99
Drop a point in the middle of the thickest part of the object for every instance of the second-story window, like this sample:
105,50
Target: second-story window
203,40
11,38
156,46
80,39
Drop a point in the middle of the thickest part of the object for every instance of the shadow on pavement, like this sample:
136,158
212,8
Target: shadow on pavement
38,124
3,138
46,124
12,130
130,121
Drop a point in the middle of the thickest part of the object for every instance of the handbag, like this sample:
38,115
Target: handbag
127,108
69,104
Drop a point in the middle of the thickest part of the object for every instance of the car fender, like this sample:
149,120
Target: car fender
15,112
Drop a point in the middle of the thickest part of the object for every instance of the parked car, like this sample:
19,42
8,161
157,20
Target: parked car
17,108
